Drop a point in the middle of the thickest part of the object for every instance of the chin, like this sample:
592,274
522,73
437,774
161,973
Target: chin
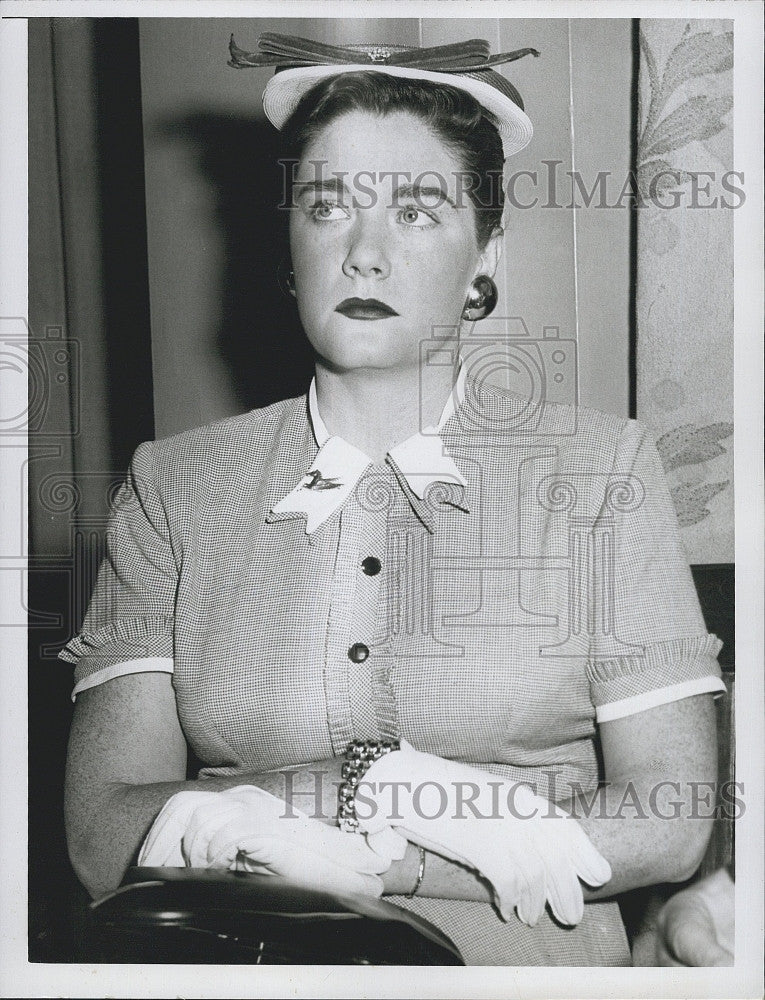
362,347
349,361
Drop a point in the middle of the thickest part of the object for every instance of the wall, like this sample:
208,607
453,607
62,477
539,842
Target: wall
684,301
90,389
224,339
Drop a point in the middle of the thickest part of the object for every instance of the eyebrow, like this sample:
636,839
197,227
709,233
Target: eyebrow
332,185
419,190
335,185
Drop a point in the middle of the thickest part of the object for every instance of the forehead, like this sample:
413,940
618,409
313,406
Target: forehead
362,142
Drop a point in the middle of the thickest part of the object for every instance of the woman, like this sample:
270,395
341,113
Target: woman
400,555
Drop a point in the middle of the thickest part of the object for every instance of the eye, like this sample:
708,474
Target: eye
328,211
416,218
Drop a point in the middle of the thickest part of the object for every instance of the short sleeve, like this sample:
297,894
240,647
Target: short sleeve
129,623
652,646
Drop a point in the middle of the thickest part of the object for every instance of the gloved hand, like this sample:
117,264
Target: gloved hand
246,829
530,850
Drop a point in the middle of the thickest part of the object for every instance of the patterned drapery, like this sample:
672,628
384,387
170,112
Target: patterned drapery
685,270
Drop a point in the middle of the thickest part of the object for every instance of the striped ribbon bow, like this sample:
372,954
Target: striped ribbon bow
275,49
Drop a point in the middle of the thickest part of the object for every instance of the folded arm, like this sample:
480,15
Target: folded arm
127,756
652,818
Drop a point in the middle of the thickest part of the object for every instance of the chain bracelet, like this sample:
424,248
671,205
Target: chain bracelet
359,757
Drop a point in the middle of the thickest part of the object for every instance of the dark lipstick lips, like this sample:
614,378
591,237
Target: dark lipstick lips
365,309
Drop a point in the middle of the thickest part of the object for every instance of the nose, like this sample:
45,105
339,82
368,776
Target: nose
368,255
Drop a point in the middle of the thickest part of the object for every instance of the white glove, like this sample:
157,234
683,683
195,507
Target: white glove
246,829
529,861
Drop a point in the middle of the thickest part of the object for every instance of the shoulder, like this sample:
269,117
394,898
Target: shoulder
511,419
562,450
244,439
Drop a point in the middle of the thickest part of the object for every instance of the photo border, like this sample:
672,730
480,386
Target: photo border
17,976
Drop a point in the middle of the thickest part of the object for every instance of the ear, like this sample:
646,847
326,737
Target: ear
491,253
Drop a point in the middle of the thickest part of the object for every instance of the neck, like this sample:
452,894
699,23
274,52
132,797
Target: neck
376,410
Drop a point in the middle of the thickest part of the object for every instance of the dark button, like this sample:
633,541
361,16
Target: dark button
358,652
371,565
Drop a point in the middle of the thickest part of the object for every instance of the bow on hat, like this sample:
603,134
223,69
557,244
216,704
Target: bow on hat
286,50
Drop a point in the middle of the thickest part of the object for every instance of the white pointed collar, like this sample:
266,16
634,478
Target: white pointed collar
422,459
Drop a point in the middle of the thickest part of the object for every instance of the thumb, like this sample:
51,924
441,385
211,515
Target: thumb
390,845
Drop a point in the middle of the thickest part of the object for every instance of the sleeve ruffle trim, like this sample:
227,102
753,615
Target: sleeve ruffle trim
701,649
130,631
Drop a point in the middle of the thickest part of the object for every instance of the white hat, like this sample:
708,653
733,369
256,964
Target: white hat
302,63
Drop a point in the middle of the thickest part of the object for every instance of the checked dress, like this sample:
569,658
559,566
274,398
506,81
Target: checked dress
496,619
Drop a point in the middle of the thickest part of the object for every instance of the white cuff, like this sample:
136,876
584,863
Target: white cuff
659,696
146,664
